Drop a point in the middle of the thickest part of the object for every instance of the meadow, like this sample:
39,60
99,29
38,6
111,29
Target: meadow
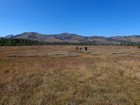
61,75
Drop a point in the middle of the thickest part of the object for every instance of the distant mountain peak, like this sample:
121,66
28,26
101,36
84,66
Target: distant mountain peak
9,36
74,38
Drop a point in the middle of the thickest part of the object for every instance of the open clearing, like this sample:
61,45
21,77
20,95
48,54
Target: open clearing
60,75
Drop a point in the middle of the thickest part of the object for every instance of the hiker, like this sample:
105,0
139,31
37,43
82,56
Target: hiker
76,48
80,48
86,49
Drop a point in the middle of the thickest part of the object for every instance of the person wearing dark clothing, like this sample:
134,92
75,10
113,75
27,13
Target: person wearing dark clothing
80,48
86,49
76,48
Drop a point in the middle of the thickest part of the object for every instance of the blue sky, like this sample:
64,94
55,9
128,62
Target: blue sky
84,17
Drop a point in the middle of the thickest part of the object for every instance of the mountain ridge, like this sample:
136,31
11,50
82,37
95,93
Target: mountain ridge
75,38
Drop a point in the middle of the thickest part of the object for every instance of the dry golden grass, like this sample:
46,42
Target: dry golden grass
60,75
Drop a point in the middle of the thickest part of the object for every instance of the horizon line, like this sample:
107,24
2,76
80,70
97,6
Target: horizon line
70,33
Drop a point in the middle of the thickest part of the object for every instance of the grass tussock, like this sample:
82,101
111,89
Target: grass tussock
107,75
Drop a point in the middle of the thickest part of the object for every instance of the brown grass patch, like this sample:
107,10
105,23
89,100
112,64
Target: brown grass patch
107,75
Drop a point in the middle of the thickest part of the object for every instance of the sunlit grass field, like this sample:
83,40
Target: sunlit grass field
62,75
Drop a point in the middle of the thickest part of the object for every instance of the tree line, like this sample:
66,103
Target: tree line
26,42
18,42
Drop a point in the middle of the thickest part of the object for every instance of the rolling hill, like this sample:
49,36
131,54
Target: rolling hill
74,38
